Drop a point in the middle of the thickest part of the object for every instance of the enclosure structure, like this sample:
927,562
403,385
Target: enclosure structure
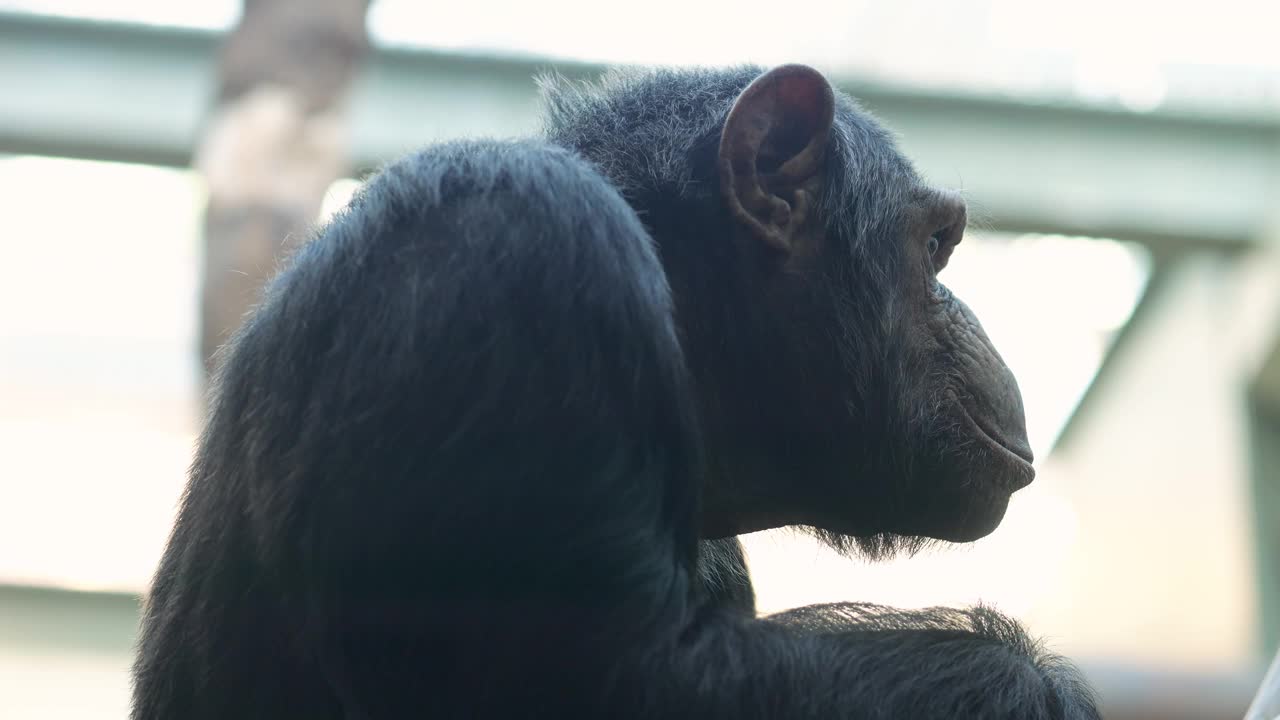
1182,419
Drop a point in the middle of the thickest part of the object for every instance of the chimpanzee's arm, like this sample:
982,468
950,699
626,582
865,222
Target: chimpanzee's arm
942,663
871,661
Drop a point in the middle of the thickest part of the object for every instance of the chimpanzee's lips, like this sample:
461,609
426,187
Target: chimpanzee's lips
1016,451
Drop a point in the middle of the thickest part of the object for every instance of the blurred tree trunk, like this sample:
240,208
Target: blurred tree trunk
274,142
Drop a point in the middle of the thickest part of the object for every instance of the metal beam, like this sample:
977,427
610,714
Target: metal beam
1264,448
138,94
1264,415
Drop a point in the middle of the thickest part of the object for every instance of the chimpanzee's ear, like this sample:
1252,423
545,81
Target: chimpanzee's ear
772,149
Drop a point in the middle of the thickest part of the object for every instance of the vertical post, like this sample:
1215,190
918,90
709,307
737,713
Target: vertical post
274,142
1264,426
1264,415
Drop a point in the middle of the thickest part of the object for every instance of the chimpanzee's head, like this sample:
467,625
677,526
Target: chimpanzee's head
841,385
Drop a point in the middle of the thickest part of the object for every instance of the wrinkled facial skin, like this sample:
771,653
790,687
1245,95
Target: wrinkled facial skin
971,451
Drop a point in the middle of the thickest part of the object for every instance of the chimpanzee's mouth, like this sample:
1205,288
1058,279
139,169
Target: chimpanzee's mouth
1017,453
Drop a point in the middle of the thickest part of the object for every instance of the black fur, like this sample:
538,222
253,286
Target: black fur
722,572
451,467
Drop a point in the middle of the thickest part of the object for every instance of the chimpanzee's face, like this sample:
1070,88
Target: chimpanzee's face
958,403
881,409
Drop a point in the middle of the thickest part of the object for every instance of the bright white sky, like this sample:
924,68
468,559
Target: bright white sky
1136,52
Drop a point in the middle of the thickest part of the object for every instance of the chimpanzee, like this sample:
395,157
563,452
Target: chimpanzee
459,461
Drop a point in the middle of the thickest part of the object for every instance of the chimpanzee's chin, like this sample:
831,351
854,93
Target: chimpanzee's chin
968,516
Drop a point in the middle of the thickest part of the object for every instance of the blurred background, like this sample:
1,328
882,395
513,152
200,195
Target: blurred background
1123,158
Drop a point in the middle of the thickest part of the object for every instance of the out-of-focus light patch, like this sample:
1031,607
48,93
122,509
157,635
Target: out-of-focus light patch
1239,33
97,249
1026,291
207,14
99,267
624,33
89,496
337,197
1015,569
99,284
1139,86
